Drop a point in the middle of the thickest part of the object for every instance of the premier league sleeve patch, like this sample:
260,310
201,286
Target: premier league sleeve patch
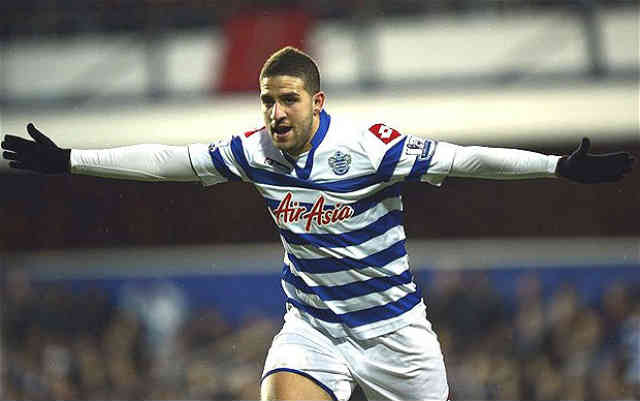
219,144
414,145
340,162
418,147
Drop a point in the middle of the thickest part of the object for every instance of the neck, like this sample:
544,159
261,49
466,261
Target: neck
315,124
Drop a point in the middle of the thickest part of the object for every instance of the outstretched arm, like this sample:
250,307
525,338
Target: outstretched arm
138,162
580,166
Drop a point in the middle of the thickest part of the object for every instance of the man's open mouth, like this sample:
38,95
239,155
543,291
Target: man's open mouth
281,130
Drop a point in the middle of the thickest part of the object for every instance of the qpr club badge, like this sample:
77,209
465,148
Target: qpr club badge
340,162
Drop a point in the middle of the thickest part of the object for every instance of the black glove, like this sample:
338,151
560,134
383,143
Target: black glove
587,168
42,155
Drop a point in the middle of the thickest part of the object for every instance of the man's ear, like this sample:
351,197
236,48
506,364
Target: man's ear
318,102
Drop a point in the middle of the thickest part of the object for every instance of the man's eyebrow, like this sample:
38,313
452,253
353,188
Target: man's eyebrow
267,96
296,94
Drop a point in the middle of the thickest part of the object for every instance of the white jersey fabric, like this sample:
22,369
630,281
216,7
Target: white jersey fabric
338,209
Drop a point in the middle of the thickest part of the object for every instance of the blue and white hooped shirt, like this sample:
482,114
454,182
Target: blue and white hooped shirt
338,209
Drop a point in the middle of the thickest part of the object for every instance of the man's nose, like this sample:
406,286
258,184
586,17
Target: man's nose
277,112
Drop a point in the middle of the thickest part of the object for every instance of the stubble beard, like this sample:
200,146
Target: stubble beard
301,136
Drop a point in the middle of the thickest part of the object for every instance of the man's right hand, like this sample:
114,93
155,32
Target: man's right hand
40,155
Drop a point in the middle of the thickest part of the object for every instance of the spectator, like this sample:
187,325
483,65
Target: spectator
564,349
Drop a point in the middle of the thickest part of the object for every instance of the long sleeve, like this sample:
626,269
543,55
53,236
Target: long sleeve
501,164
137,162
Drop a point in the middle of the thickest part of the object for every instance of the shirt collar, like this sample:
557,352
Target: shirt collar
318,137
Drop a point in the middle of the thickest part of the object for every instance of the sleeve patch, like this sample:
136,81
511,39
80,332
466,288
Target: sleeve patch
419,147
219,144
384,133
415,146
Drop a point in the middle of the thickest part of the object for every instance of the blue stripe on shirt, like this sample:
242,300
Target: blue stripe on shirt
364,316
238,153
330,265
341,186
220,165
355,237
346,291
421,165
371,201
266,177
390,160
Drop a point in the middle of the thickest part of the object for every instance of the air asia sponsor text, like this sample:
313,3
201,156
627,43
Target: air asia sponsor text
292,211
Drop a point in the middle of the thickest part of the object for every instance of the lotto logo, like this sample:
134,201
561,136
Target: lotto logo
384,133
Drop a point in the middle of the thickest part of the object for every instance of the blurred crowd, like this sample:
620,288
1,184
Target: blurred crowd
61,343
64,344
37,17
553,347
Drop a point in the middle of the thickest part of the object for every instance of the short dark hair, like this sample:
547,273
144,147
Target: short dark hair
296,63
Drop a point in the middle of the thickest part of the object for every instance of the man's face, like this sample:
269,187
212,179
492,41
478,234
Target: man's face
291,114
